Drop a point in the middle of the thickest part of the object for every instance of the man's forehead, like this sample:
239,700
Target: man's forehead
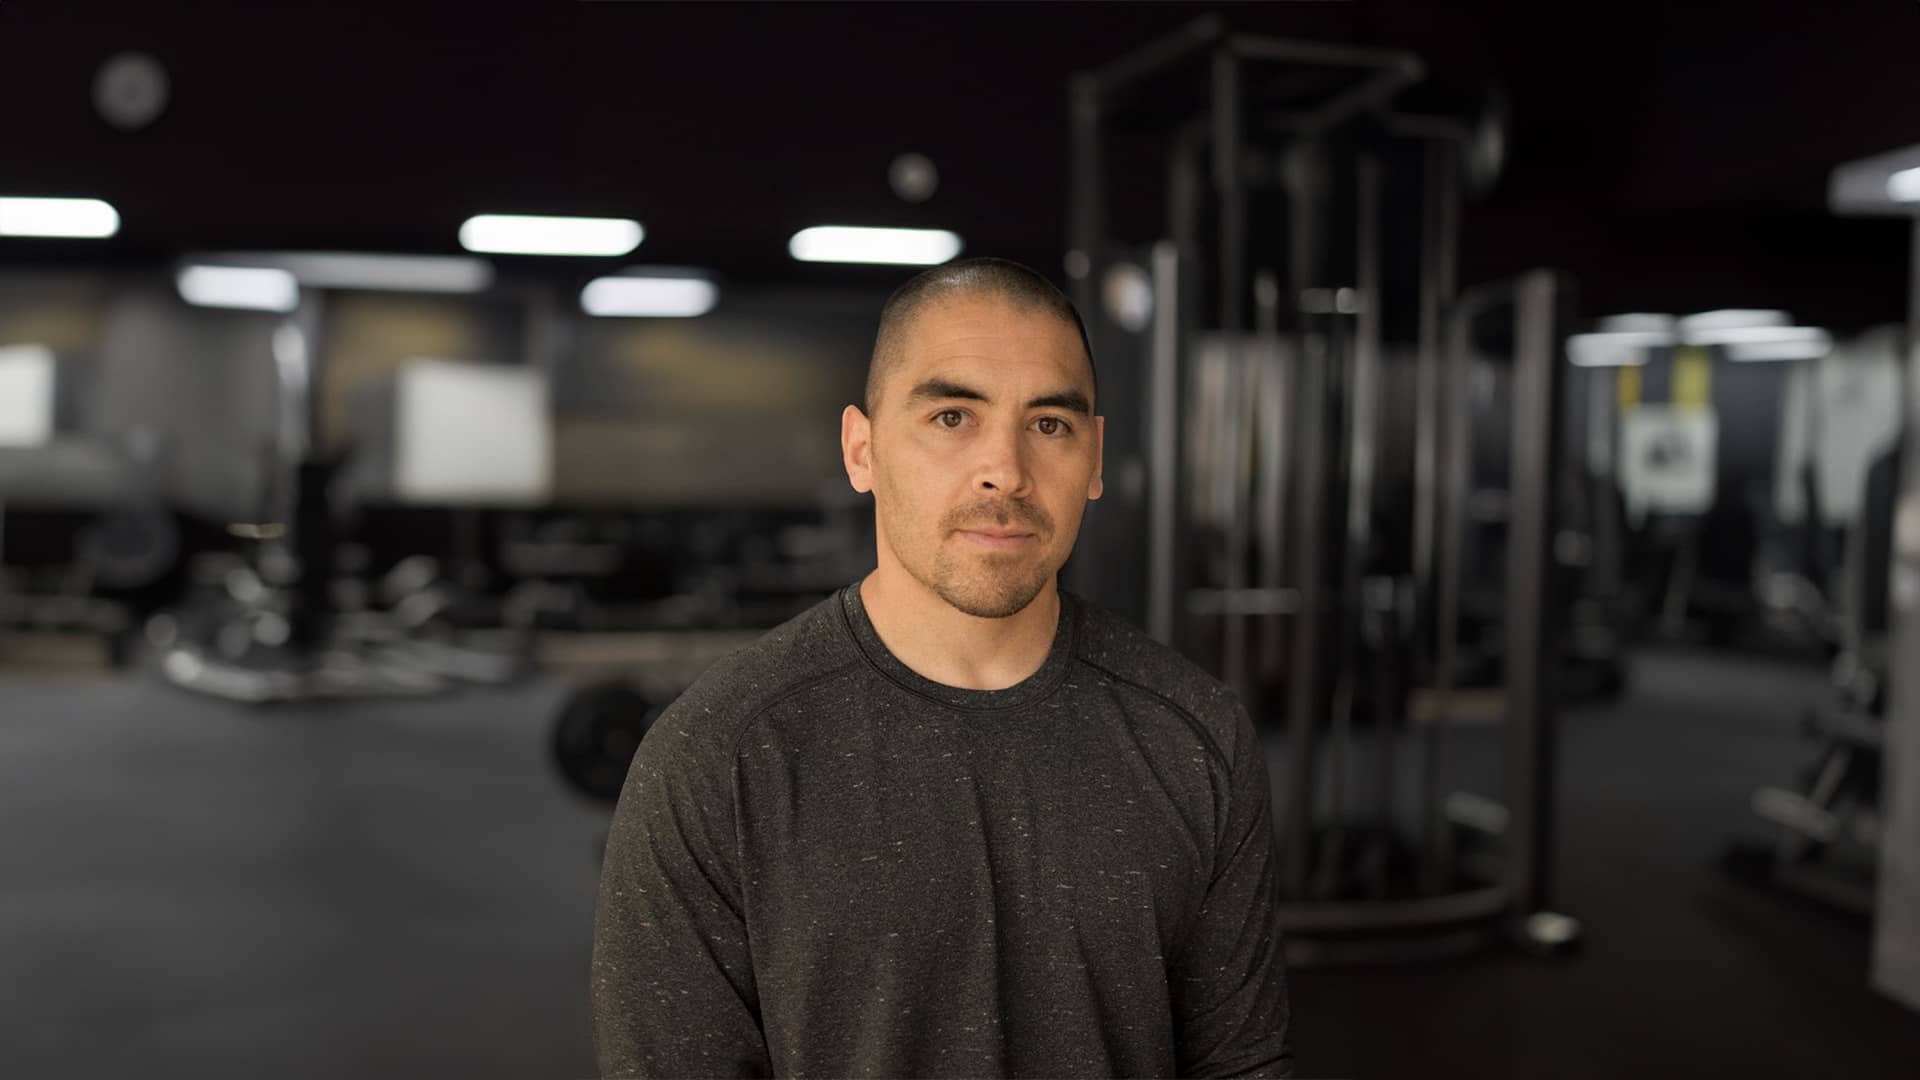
982,362
1025,343
972,330
986,317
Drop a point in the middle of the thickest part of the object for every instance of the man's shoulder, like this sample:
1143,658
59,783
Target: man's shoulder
804,651
1127,654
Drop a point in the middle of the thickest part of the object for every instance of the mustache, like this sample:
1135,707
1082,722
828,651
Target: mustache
999,515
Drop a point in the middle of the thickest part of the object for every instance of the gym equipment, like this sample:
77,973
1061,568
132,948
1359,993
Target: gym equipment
234,639
282,624
597,733
1837,414
1826,831
637,605
628,679
86,544
1276,432
1883,185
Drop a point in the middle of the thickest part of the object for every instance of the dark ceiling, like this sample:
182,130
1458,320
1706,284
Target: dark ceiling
1672,156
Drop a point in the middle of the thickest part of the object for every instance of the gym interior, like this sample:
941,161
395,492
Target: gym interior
399,407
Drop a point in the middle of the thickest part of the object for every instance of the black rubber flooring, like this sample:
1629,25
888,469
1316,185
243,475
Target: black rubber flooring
405,890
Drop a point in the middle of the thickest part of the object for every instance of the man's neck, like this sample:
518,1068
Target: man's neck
942,643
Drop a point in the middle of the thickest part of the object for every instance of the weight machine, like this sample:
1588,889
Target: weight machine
1262,430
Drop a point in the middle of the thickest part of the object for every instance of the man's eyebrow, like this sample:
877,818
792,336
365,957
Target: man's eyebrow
941,389
938,389
1070,400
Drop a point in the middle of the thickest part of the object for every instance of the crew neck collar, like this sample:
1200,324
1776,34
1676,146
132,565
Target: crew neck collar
1025,692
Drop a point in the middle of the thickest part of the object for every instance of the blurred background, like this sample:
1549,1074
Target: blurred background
398,407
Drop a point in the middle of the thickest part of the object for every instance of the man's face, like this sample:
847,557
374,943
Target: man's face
982,452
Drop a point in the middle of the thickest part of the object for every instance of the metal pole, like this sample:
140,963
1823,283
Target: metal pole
1532,603
1896,922
1366,366
1351,103
1231,185
1086,209
1314,54
1362,435
1303,670
1456,445
296,345
1310,482
1158,55
1185,196
1337,563
1274,427
1436,292
1432,408
1163,446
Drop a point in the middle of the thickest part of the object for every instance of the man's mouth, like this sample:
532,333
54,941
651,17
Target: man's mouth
999,539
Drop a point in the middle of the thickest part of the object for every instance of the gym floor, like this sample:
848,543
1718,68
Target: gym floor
405,890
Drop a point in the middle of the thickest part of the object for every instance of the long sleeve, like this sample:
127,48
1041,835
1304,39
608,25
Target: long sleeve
1230,982
673,988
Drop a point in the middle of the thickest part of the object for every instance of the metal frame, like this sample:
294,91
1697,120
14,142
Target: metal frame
1862,188
1896,930
1896,946
1533,605
1522,895
1340,366
1091,97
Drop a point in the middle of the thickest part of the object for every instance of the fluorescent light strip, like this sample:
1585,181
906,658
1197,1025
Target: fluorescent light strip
1614,348
1751,335
648,297
74,218
1904,186
1634,338
1731,319
884,247
372,272
250,288
1812,344
1638,322
389,273
526,234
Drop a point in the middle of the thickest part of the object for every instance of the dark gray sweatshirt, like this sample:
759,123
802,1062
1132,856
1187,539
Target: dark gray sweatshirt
824,864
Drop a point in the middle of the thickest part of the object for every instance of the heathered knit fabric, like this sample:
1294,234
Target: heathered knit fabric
825,865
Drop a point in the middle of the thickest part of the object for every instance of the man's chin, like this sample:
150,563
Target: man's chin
986,611
990,602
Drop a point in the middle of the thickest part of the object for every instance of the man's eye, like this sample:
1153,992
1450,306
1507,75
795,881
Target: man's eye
949,418
1051,425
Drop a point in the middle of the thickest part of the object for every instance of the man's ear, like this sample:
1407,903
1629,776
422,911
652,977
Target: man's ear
1098,485
856,448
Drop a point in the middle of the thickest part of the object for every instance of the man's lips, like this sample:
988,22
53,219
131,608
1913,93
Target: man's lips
996,537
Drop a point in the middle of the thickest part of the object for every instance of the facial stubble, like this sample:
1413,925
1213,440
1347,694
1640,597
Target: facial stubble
982,583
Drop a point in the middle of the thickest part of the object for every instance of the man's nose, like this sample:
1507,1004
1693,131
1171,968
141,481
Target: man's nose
1002,466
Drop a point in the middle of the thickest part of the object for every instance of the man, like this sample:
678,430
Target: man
952,820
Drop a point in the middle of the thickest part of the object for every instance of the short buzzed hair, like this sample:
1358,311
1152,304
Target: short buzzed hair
1021,285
